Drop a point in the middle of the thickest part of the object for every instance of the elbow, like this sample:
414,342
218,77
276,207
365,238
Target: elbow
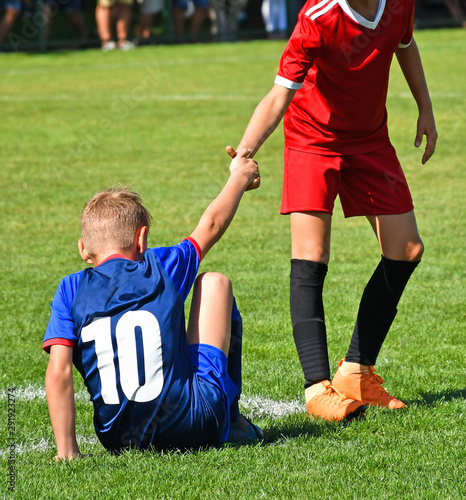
214,228
57,375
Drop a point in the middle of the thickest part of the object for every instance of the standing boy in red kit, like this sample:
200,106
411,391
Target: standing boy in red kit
332,83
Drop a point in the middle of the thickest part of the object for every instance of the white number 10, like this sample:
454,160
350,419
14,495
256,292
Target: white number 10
99,331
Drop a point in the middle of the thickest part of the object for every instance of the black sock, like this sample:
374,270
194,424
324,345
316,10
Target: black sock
308,320
234,359
378,309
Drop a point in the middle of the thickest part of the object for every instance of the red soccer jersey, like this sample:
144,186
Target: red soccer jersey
340,63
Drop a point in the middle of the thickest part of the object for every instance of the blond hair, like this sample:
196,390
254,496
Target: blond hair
110,219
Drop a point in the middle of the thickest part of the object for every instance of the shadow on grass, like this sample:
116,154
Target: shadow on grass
309,427
432,399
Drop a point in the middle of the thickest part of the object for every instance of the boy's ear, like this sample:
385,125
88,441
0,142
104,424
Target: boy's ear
83,252
141,239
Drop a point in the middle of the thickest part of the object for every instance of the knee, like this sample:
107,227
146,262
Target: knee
410,250
415,251
312,253
12,14
214,281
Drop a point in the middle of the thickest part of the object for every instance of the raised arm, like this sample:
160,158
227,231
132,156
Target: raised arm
411,65
265,119
60,398
219,214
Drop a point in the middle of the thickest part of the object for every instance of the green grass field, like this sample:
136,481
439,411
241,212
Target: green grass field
159,119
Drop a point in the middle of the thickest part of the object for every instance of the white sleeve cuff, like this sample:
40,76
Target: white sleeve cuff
405,45
288,84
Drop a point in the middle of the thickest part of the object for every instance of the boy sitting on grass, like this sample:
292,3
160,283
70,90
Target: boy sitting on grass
153,383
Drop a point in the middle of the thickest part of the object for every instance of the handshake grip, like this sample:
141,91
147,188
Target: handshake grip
255,183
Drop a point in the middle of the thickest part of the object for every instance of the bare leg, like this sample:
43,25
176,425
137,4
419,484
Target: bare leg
310,236
47,13
103,16
457,11
310,233
144,27
77,19
402,249
7,22
123,18
210,322
310,252
210,315
199,15
232,20
398,236
178,15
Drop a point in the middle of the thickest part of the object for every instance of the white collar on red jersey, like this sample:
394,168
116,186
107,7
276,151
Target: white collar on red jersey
362,20
325,5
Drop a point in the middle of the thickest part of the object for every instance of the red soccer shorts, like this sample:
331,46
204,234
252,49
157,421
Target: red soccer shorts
368,184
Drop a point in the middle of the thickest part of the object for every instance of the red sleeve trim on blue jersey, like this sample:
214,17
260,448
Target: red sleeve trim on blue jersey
196,246
57,341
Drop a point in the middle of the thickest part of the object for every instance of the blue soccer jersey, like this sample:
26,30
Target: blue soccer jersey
126,322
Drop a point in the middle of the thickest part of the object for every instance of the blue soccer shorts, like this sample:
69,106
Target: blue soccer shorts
215,386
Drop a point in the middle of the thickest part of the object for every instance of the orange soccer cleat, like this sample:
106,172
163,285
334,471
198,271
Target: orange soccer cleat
365,386
331,404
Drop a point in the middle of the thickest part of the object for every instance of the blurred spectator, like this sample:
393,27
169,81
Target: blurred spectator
147,10
226,19
72,7
457,10
295,9
119,11
10,10
254,22
274,13
201,13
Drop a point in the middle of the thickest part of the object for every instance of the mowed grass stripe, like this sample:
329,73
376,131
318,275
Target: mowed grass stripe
150,63
257,406
182,97
166,97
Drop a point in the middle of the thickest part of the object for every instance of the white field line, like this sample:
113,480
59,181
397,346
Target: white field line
255,407
44,445
179,97
252,406
128,97
437,95
262,407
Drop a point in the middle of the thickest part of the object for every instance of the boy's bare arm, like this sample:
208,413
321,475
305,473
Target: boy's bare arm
217,217
265,118
60,398
411,65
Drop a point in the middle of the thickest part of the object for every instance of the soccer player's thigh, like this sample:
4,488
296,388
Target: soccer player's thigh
210,314
310,186
374,185
310,236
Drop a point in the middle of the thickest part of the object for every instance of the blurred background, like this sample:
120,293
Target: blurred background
41,25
